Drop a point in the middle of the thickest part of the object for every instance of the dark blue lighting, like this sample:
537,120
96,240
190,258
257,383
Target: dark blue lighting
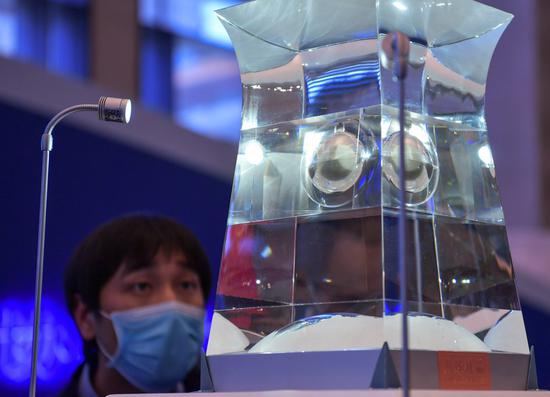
430,204
392,308
209,312
52,34
341,80
60,347
363,180
8,27
211,29
66,38
191,19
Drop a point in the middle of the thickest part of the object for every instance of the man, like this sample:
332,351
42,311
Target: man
136,288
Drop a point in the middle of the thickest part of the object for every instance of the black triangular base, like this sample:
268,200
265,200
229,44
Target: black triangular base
532,378
206,379
385,375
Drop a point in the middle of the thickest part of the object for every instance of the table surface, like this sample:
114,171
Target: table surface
358,393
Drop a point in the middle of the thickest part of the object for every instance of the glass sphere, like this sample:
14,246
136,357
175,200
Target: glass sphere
350,331
419,167
325,332
421,164
337,162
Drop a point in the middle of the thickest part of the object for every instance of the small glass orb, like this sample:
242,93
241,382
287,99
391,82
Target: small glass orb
338,163
421,164
419,167
254,152
338,160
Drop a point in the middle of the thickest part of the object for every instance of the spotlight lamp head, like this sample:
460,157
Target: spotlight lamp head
115,109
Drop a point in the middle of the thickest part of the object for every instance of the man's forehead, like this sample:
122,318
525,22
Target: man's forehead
161,259
169,255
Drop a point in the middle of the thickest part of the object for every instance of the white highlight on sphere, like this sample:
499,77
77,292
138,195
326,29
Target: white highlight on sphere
486,157
254,152
338,164
350,332
312,140
432,333
508,335
400,6
325,332
225,337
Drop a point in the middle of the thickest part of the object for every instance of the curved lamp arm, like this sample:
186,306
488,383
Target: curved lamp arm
109,109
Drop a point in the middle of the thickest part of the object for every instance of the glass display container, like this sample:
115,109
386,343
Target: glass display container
310,259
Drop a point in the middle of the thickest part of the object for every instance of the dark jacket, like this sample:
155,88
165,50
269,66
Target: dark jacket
71,390
191,382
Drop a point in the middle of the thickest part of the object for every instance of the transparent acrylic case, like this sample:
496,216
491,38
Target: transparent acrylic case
310,256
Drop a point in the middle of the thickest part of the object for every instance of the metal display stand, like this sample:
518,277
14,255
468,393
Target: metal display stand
359,393
366,369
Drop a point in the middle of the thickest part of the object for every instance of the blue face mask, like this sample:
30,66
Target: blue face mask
157,345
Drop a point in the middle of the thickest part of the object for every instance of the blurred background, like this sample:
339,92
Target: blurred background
176,157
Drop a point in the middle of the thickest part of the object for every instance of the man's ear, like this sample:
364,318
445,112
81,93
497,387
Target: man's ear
84,319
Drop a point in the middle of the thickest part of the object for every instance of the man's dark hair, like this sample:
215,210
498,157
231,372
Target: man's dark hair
133,241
